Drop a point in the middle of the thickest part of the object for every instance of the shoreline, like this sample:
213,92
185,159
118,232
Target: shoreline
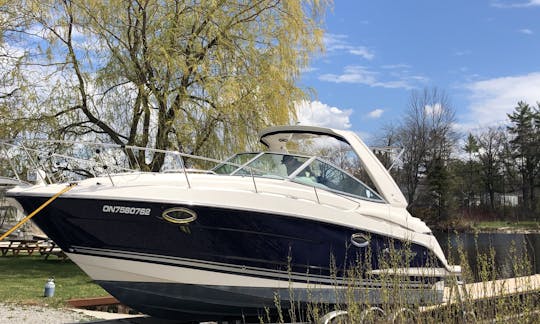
483,230
505,230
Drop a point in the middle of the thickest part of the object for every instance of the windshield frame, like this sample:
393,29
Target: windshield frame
294,175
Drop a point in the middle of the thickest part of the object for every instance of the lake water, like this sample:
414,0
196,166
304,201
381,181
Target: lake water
509,250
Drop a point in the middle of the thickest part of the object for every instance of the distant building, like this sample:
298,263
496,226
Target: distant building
501,199
507,199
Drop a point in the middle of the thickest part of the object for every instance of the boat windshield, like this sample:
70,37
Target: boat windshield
301,169
232,163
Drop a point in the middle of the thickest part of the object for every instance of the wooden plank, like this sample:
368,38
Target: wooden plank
496,288
16,246
96,301
504,287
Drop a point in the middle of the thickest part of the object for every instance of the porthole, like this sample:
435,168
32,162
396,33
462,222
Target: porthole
179,215
360,240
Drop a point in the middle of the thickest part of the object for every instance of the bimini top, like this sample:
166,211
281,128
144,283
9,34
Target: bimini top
276,139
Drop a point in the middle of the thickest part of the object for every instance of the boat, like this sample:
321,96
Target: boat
11,211
254,233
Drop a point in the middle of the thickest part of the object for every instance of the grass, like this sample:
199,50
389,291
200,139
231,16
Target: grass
495,225
23,280
492,302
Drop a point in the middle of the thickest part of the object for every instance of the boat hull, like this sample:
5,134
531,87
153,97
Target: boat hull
224,263
206,295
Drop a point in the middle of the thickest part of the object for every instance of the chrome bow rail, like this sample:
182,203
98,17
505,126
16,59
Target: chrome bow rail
40,160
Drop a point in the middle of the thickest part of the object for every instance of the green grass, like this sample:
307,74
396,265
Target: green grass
23,278
525,225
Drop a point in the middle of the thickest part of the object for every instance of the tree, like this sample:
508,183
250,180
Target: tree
525,149
491,145
428,138
471,147
199,77
11,80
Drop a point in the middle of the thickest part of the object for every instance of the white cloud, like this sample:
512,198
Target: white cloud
309,69
335,42
377,113
526,31
362,75
363,52
339,43
352,74
462,52
396,66
436,109
530,3
316,113
492,99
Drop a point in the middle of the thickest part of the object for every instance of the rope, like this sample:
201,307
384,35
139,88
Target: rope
27,218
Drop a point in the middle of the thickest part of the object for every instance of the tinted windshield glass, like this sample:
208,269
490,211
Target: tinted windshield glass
317,173
270,164
325,175
234,163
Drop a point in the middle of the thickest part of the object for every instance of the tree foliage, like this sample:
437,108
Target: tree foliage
525,145
427,136
197,76
491,143
471,147
12,82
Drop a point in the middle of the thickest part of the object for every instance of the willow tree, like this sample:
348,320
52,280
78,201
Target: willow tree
196,76
11,79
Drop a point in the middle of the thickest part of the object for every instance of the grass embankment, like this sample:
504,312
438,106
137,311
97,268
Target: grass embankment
505,226
23,278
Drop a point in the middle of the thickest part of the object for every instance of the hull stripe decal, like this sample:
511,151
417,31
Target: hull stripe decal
231,269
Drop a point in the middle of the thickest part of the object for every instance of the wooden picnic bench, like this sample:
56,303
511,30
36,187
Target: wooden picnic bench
45,247
50,248
18,245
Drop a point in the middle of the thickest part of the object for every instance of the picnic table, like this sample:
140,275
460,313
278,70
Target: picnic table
45,247
18,245
49,248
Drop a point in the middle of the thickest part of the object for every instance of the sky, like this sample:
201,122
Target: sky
484,54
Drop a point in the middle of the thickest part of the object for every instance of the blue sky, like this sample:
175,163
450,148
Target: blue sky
484,54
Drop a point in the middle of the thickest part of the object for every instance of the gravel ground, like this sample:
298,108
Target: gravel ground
17,314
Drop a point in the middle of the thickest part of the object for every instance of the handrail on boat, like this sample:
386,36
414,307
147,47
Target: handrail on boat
29,152
92,164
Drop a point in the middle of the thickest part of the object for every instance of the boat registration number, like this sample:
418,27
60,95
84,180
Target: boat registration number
126,210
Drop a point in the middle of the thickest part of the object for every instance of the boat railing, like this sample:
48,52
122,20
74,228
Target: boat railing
89,159
39,161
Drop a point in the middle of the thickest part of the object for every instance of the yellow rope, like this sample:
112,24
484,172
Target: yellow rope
27,218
